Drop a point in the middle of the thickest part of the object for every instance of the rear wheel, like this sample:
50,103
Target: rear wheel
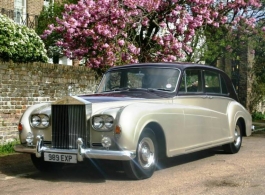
144,165
45,166
234,147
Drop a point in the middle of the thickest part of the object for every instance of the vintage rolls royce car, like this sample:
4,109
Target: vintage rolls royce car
140,113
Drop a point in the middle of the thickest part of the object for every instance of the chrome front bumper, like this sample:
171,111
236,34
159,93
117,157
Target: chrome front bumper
80,152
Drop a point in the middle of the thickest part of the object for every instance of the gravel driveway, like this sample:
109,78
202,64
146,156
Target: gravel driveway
206,172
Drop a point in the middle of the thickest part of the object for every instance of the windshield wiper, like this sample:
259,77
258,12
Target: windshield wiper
158,89
118,89
137,89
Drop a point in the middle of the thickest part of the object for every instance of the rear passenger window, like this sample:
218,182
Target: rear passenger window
191,82
199,81
212,82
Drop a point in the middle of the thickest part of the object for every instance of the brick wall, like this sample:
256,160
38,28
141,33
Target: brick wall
23,85
34,7
7,4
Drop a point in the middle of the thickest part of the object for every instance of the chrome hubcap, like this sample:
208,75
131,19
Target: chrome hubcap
237,140
146,153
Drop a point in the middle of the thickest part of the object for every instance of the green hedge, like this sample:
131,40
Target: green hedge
258,116
19,43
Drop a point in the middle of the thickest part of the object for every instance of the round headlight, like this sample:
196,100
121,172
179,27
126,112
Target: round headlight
35,121
45,121
109,122
98,122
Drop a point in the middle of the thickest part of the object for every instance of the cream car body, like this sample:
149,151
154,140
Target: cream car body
138,124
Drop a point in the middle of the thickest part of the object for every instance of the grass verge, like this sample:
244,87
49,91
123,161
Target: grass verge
8,148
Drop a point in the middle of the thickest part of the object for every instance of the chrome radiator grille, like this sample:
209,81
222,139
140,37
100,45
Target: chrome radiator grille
68,124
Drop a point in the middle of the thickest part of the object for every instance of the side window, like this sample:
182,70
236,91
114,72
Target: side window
212,82
191,81
113,81
135,80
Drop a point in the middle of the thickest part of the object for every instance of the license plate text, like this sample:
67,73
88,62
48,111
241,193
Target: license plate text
65,158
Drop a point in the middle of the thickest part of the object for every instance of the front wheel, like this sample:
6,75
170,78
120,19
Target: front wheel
144,164
234,147
44,166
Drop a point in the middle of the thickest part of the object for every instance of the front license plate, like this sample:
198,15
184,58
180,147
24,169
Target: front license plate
64,158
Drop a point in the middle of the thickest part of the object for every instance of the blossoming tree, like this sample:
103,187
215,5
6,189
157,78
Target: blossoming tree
223,42
48,16
113,32
19,43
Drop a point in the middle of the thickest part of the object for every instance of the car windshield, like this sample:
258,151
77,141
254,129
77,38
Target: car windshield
147,78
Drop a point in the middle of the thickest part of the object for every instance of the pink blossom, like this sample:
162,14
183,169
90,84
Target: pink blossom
105,46
145,21
176,45
121,42
71,30
111,31
216,24
134,49
163,24
161,42
215,14
223,19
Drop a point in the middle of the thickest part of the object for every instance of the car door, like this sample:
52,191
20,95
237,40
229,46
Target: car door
204,112
217,100
197,119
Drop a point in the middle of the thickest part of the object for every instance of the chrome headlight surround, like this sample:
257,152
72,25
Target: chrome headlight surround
102,122
39,121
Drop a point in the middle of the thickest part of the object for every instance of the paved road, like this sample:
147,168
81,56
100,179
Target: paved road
207,172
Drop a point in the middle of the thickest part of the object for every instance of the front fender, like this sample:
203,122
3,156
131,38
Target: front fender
25,121
135,117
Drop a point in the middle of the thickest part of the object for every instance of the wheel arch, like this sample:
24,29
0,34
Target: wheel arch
160,138
237,113
243,125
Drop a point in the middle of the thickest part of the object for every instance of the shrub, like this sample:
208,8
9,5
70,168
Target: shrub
19,43
258,116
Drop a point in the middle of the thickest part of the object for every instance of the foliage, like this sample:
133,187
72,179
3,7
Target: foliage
19,43
48,16
258,116
216,44
256,95
258,87
114,32
224,41
230,43
259,49
8,147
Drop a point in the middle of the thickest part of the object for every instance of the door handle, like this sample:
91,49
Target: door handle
207,96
